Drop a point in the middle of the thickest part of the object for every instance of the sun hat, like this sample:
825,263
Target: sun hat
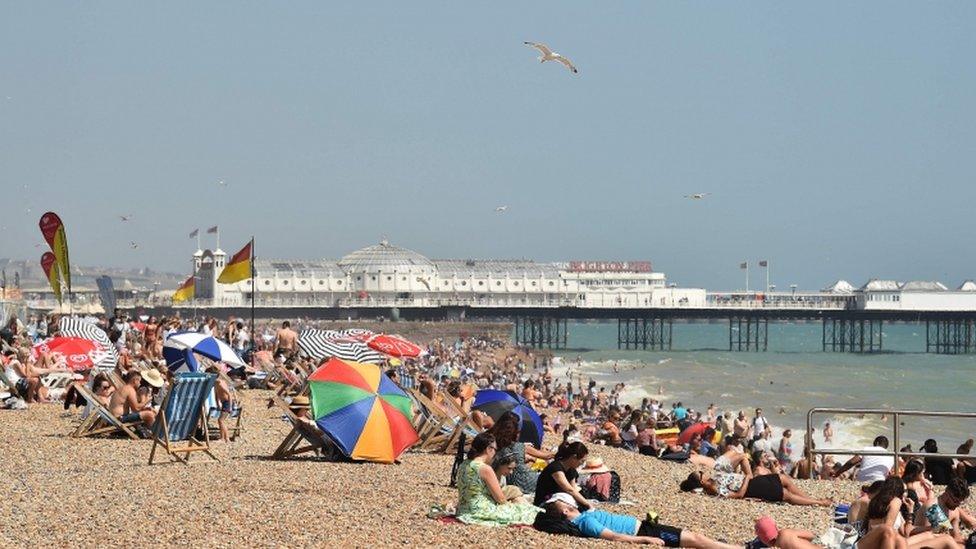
766,530
593,466
152,377
299,402
561,497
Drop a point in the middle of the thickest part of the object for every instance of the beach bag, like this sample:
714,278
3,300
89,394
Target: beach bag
840,537
840,513
612,493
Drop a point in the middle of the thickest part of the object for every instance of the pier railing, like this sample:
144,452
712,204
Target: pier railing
895,442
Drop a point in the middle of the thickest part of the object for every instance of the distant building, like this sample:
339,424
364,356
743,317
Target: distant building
384,275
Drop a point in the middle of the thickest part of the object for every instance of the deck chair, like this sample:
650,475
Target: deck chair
115,379
466,423
442,430
291,383
299,441
99,421
181,414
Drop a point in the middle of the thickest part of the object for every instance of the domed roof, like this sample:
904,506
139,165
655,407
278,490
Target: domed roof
383,256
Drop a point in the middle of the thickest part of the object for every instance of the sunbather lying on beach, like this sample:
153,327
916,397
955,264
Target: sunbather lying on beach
610,526
773,488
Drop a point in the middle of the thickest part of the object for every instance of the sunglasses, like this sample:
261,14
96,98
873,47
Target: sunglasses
105,387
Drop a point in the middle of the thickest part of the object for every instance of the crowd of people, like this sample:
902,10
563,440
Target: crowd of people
504,480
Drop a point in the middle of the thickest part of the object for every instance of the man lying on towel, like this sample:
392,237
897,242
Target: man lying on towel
601,524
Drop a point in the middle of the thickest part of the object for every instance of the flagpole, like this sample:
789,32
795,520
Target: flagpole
217,232
767,276
254,290
747,277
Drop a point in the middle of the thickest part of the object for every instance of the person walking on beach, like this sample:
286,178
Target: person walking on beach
828,433
760,425
740,427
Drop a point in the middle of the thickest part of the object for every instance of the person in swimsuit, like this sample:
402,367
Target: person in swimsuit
772,488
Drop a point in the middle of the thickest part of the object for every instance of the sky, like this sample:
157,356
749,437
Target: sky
837,139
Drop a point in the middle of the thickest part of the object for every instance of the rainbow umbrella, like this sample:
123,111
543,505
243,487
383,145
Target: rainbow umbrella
361,410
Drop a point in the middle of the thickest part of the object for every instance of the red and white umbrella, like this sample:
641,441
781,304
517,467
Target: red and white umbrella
78,353
395,346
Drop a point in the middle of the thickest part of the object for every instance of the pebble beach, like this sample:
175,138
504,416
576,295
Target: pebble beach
60,491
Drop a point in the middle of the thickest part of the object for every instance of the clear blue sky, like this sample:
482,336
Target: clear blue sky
838,138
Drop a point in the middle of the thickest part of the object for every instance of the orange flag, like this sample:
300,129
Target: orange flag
239,266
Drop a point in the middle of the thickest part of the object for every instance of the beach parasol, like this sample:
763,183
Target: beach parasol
323,344
496,403
78,353
394,345
365,413
179,348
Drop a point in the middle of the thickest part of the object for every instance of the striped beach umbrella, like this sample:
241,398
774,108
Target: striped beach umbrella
184,344
361,410
323,344
495,403
106,357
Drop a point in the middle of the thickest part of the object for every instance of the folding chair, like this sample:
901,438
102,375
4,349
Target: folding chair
300,440
100,421
181,415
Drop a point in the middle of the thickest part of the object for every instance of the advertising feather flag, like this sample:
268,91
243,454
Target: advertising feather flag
50,265
53,230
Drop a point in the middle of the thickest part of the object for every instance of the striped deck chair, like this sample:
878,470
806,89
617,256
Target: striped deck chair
182,413
299,440
99,421
463,417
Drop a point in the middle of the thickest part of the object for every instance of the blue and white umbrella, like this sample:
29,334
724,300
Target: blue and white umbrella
179,348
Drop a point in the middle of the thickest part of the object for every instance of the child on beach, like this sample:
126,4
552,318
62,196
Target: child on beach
225,402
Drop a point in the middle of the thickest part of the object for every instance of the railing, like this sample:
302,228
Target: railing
895,443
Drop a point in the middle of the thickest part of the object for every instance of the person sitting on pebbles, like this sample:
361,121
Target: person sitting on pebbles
772,488
609,526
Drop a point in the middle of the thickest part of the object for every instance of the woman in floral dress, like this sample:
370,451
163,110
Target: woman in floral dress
480,498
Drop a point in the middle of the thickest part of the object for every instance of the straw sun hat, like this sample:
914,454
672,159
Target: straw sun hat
299,402
593,466
152,377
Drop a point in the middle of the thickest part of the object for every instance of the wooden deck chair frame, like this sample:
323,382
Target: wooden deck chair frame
291,383
464,422
296,442
442,430
100,421
188,447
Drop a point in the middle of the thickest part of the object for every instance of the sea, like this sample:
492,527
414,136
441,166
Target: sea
792,376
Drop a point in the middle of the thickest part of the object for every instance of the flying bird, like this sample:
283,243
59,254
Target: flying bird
549,55
221,183
133,245
125,217
501,209
697,196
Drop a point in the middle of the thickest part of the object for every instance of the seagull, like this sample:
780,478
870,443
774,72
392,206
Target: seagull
221,183
501,209
697,196
549,55
133,245
125,217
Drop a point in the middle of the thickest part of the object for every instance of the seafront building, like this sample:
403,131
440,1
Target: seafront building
384,275
388,276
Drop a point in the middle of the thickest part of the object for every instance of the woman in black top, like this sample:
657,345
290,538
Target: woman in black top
561,475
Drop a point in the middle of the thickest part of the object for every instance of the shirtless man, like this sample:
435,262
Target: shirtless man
948,514
828,433
285,340
128,402
741,426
